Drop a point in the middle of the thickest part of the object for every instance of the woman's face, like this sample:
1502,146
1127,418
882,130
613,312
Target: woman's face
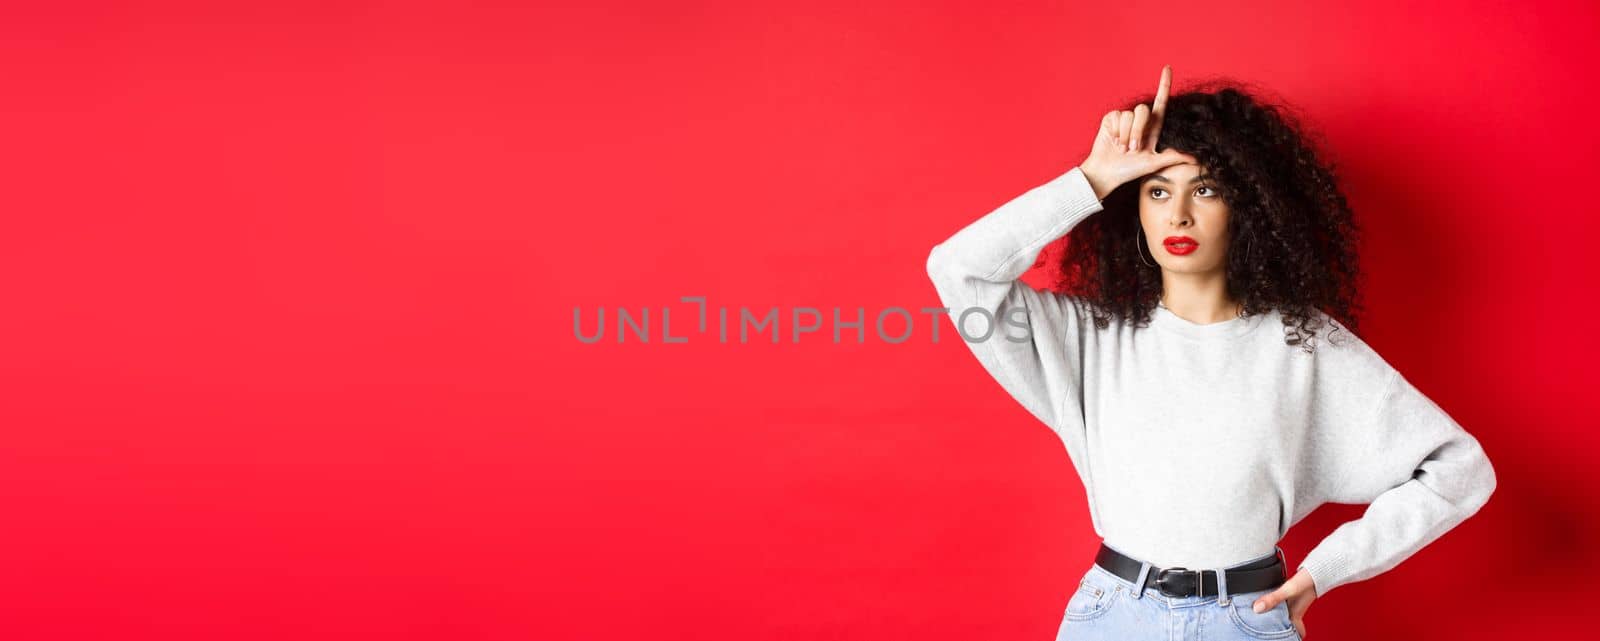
1184,219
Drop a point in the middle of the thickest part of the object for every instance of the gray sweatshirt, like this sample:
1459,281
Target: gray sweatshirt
1199,445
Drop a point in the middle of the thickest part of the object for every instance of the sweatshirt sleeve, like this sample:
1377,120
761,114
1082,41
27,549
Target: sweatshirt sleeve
1029,341
1418,470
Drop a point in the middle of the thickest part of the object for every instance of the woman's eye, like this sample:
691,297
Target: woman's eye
1156,191
1213,193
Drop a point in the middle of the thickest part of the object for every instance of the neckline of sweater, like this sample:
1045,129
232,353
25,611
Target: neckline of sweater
1167,320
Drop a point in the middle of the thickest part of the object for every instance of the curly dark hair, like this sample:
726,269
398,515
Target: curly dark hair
1293,237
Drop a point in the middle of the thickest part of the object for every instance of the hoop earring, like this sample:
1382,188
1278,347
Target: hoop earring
1249,251
1138,246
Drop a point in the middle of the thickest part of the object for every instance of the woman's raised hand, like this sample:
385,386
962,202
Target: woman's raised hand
1124,148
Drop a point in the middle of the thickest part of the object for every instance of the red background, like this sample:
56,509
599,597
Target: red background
289,289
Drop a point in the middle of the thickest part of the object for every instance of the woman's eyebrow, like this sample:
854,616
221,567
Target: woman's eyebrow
1197,178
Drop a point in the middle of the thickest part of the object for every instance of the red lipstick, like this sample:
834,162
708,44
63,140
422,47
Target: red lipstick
1179,245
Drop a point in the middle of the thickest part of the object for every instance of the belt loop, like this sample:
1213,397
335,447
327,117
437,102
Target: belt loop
1138,585
1222,586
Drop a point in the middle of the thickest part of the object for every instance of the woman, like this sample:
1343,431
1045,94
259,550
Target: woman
1205,398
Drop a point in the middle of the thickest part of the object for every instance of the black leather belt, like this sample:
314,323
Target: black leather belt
1265,574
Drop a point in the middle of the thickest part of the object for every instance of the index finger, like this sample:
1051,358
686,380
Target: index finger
1159,107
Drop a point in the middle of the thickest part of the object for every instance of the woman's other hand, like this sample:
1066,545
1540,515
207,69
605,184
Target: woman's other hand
1299,591
1124,147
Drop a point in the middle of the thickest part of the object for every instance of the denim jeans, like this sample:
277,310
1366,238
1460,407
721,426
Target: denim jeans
1106,606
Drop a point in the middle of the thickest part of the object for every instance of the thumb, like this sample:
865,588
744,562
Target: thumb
1170,156
1268,601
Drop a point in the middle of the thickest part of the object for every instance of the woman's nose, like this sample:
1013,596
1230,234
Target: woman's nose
1181,214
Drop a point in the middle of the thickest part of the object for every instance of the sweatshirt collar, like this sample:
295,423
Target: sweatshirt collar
1168,321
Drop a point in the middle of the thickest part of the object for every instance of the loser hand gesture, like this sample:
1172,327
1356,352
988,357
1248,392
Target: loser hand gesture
1124,148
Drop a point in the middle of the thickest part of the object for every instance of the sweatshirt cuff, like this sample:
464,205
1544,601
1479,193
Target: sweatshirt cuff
1073,191
1327,570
